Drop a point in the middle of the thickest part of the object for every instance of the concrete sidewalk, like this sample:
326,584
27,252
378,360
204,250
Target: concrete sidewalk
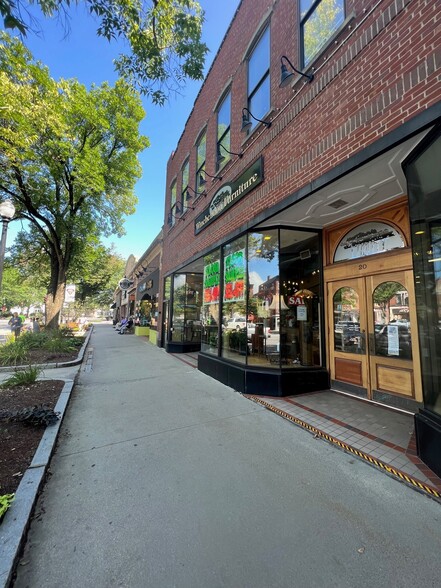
164,477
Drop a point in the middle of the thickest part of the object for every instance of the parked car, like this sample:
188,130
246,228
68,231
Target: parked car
236,323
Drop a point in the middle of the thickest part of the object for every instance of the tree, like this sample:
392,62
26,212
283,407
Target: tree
164,37
96,275
383,295
95,271
18,289
68,160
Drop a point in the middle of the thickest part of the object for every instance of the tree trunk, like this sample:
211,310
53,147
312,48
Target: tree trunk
54,304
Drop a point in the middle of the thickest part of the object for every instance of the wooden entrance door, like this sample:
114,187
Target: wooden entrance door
373,335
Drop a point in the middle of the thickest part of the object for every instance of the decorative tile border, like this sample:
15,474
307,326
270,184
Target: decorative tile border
396,472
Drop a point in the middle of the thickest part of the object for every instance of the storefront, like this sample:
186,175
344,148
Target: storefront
281,310
295,257
147,309
424,179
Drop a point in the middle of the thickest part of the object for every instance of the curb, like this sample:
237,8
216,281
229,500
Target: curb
49,366
14,526
16,520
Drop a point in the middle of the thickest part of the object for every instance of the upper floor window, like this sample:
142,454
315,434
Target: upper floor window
319,19
201,150
184,183
259,78
223,130
173,205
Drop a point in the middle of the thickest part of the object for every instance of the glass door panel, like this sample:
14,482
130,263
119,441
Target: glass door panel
393,353
347,335
392,332
347,332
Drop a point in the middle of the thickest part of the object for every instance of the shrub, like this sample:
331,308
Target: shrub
61,344
5,503
23,378
13,352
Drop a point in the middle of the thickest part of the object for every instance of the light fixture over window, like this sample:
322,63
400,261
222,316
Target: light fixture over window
286,76
221,157
202,180
246,122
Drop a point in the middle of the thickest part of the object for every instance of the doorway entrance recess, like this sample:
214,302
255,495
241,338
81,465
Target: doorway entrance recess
372,329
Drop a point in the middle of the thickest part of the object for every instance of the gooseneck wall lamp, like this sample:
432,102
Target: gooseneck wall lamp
286,76
221,157
246,122
202,180
195,193
7,211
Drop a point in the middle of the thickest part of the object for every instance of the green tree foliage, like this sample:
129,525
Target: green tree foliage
383,294
19,288
95,271
68,160
164,37
319,28
96,275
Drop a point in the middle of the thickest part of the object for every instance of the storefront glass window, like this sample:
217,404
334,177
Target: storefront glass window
234,333
179,300
263,334
211,302
391,321
424,181
187,301
299,329
347,335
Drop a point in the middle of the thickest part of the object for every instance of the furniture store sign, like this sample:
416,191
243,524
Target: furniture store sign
229,194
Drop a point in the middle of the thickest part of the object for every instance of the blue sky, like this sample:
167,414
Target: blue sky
88,58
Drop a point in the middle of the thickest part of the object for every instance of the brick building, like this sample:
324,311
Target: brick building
302,229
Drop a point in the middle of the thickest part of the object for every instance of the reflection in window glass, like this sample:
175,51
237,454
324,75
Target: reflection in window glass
259,78
210,304
300,298
391,321
178,315
263,333
223,131
200,162
424,182
234,333
319,21
347,334
173,206
184,184
187,301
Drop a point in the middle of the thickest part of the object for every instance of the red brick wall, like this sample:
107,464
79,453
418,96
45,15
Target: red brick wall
382,70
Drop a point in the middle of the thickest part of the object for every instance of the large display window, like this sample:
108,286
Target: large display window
261,300
234,306
186,324
210,311
424,182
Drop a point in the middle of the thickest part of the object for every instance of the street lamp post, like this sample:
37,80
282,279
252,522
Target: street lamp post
7,211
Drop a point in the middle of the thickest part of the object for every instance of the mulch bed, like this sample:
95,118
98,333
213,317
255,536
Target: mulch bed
36,356
18,441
